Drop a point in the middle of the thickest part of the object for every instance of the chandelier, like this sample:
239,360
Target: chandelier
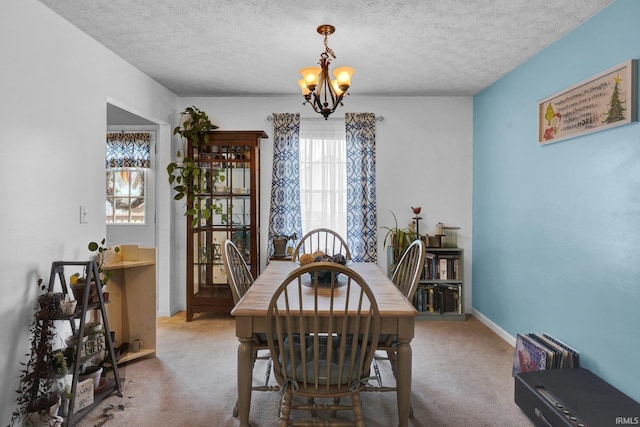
324,94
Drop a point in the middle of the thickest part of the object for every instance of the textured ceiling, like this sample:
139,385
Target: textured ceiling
255,48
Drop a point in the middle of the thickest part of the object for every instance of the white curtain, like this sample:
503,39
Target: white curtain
323,174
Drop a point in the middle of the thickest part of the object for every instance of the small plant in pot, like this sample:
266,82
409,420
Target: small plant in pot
78,283
399,239
280,242
41,379
99,250
185,174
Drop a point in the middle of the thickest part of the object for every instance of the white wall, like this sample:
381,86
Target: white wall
424,155
54,85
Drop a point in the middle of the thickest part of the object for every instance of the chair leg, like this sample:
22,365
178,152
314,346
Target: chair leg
267,374
312,401
285,408
357,410
376,369
336,401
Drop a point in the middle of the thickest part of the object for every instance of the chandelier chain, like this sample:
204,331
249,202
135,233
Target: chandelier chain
327,48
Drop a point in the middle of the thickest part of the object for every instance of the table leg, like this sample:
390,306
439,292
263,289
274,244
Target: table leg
245,372
404,381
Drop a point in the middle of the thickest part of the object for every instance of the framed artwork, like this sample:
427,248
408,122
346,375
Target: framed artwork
598,103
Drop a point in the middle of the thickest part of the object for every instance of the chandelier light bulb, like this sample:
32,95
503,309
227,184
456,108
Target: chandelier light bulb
311,75
303,87
343,76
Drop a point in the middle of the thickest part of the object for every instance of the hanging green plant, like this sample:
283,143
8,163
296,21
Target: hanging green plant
187,177
41,384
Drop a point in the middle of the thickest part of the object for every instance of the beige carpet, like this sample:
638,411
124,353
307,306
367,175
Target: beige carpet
461,377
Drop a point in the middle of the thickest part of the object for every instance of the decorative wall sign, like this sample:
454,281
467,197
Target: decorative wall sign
601,102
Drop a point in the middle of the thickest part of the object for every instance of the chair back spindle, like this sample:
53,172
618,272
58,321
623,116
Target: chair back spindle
321,239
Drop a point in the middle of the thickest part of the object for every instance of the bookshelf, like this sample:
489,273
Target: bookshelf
441,287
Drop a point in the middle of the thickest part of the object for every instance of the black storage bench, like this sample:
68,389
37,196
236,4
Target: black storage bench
573,398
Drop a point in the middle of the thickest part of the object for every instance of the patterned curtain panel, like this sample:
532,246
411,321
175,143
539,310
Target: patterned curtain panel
361,186
284,216
128,150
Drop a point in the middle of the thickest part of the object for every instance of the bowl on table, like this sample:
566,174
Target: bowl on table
324,276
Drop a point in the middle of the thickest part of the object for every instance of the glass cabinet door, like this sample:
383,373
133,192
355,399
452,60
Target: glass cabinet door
228,177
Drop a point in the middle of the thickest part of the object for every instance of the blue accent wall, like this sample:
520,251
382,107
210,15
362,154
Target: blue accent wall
556,228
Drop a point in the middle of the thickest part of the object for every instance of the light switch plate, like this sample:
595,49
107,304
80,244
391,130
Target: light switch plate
84,215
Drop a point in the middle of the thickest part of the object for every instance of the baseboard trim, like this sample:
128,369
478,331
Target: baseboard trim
494,327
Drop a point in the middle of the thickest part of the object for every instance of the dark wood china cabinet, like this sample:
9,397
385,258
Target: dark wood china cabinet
232,188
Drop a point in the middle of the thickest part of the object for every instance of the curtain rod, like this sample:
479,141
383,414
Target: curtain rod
378,118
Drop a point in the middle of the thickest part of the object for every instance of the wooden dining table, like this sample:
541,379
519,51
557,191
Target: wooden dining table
396,312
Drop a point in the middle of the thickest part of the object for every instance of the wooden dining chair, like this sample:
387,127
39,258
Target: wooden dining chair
240,279
407,273
321,239
238,273
323,337
406,277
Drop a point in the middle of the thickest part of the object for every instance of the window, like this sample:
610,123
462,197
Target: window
323,175
125,195
128,158
290,163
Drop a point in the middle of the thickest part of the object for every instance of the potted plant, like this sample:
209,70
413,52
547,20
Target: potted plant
78,283
280,244
60,360
399,239
186,176
99,250
41,379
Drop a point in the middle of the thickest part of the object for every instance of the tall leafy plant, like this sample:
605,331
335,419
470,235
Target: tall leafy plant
399,238
187,177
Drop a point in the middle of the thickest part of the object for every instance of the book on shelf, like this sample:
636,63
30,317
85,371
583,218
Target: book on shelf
537,351
442,267
430,299
440,298
427,273
453,272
